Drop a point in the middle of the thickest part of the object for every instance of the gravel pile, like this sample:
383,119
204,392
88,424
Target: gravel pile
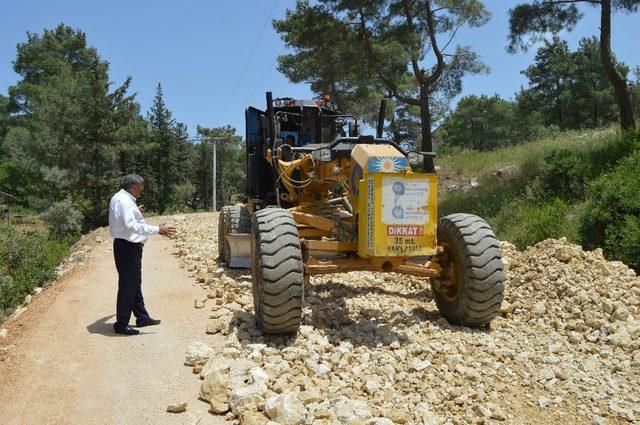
373,348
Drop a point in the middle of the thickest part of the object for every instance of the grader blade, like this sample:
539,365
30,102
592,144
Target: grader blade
239,250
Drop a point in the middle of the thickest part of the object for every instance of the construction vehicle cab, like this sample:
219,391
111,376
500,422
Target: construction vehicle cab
320,198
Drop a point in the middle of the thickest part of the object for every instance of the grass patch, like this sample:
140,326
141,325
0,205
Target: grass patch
479,163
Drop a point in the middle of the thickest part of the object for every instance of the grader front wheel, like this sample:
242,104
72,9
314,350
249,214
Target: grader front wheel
470,289
277,269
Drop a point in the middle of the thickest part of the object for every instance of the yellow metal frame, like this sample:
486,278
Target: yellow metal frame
315,230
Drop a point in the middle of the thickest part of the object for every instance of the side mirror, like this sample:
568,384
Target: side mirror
414,158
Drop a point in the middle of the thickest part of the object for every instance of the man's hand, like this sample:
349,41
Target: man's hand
167,230
141,208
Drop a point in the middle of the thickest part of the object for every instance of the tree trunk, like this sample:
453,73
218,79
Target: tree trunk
618,81
425,123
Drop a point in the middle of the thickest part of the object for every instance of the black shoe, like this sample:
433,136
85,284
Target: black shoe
147,322
125,330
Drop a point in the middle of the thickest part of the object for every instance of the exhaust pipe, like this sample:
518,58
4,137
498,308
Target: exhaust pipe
381,114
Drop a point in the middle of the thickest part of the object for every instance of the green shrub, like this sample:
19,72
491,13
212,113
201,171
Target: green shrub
7,295
563,172
63,219
528,221
611,217
27,260
567,170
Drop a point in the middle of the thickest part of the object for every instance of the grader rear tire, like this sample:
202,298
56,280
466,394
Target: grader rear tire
278,272
471,287
223,220
239,221
233,219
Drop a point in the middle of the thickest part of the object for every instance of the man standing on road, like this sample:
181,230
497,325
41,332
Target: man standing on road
130,232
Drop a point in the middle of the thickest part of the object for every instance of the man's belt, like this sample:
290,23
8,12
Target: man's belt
138,244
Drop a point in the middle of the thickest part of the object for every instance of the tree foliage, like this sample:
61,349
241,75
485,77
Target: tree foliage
361,51
169,152
567,90
533,20
485,123
66,132
570,89
230,158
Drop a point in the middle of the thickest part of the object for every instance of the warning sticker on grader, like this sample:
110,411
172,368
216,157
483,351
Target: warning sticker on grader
404,214
404,201
405,230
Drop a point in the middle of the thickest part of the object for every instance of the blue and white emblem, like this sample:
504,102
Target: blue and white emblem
387,164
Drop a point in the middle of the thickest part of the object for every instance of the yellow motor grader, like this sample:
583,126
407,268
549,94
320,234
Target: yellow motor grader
323,199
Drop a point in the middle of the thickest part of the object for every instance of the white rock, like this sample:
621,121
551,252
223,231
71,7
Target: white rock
372,385
248,397
177,408
197,352
418,365
348,410
379,421
317,368
286,409
215,387
258,375
539,309
543,402
3,333
215,364
621,313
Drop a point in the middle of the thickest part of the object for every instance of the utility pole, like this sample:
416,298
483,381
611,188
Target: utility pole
213,197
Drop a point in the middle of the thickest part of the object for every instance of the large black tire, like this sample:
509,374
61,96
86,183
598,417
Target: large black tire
233,219
278,271
239,221
471,290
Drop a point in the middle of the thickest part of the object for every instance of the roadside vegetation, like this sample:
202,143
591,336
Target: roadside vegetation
580,185
30,252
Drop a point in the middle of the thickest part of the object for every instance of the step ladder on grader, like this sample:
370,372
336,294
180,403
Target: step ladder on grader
320,200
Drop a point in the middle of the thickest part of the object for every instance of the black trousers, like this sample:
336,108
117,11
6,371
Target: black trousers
128,256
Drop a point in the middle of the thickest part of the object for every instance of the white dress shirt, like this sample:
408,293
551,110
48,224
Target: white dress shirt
126,221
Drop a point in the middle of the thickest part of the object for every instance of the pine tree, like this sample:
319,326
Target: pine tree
167,150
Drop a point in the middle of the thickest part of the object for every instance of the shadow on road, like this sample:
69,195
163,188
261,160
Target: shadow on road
101,327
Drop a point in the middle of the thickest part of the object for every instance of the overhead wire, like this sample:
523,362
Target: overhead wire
246,64
342,25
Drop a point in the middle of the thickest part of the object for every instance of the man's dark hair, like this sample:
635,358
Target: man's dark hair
131,180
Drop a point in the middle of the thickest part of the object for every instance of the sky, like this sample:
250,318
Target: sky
198,49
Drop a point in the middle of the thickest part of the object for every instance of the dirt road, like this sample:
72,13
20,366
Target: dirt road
66,366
